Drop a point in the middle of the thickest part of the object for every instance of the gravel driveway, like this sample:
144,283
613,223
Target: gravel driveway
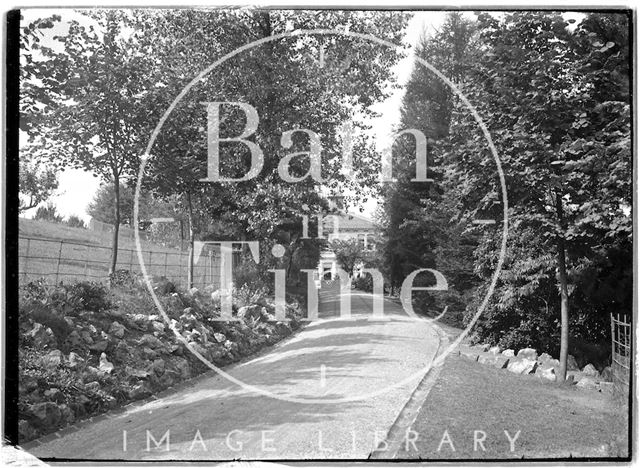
329,392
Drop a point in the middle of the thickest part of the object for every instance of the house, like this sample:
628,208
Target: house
344,226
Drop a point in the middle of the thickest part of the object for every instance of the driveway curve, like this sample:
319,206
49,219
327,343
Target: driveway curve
339,386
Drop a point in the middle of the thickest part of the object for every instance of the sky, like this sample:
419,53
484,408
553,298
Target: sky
389,109
77,187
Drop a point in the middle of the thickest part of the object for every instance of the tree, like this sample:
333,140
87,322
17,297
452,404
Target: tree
555,98
48,213
102,207
90,98
563,139
349,253
36,72
76,222
288,89
423,222
36,185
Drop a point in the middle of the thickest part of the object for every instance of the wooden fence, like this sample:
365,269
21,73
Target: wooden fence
621,354
123,231
65,260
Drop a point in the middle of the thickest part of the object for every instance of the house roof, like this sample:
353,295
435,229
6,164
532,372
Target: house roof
350,222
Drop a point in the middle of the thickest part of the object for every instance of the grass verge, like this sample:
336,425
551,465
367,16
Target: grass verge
555,421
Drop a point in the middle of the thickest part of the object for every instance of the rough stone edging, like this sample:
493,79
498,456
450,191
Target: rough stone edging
182,385
475,352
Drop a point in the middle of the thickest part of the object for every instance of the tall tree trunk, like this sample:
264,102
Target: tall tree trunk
292,247
116,224
290,264
564,293
191,242
181,234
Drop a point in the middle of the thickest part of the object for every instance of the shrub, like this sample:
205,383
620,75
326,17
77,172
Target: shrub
40,313
76,222
93,296
122,278
254,277
80,399
247,295
133,299
364,283
48,213
515,324
66,298
162,286
53,296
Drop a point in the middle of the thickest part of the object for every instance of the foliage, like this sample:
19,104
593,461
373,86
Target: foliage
48,213
247,274
303,255
363,283
31,63
53,318
82,399
98,98
35,184
299,94
554,95
248,294
79,390
349,253
122,278
75,222
92,295
52,304
100,71
424,225
66,298
102,206
564,145
171,234
88,95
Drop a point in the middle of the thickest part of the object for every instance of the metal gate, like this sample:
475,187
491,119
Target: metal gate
621,354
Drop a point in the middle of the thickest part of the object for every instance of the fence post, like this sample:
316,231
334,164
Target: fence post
86,261
613,340
131,261
166,259
58,265
186,270
26,259
149,263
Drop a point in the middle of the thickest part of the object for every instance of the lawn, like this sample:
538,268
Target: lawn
553,420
